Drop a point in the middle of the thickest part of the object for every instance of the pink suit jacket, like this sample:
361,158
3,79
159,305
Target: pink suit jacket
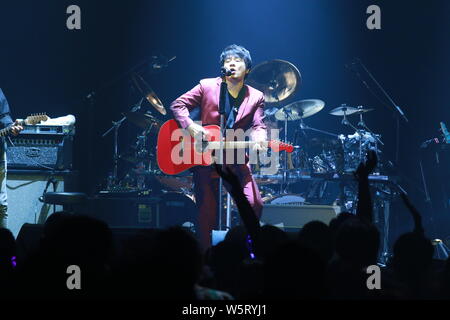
206,96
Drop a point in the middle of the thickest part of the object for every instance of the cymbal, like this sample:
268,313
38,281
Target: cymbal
269,112
277,79
344,110
299,109
148,93
142,120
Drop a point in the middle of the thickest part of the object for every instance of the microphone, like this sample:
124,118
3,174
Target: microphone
428,142
226,72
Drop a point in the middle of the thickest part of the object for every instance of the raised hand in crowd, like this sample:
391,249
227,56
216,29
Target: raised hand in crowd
229,177
418,228
366,168
364,208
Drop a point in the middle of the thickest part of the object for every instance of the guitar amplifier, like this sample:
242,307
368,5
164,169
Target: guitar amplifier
41,148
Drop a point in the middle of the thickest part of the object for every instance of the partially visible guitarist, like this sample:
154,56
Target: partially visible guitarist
244,110
5,121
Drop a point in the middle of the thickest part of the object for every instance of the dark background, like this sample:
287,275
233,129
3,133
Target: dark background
44,67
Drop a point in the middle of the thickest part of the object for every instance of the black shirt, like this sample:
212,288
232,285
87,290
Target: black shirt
234,104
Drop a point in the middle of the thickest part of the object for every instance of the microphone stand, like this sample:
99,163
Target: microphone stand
399,112
115,127
222,100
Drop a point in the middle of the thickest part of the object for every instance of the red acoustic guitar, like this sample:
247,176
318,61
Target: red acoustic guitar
177,151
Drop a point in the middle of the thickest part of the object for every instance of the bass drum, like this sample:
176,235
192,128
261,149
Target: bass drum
178,182
284,199
177,209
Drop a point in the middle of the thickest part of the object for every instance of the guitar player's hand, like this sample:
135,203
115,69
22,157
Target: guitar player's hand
259,145
196,130
16,128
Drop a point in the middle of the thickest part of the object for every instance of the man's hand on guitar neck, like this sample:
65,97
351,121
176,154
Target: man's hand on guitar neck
260,145
16,128
195,130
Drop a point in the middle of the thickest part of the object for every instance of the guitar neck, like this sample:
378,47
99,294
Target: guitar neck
233,144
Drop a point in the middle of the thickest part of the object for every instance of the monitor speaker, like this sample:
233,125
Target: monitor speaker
292,217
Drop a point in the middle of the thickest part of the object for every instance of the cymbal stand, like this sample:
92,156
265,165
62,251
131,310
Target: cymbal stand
285,178
115,127
362,124
306,127
146,150
305,146
348,123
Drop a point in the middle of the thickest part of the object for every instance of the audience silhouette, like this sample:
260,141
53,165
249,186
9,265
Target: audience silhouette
321,261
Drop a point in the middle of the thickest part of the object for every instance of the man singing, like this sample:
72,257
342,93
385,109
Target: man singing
244,110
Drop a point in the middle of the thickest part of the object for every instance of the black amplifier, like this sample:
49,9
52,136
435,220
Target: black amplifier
48,150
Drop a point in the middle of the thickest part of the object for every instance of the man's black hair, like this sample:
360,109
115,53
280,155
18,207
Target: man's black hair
236,51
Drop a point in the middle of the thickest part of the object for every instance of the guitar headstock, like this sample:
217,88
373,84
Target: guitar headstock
35,118
281,146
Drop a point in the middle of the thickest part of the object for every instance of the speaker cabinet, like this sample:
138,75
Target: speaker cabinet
294,217
29,237
161,211
24,187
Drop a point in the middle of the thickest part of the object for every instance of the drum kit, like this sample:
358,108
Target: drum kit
142,175
318,152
